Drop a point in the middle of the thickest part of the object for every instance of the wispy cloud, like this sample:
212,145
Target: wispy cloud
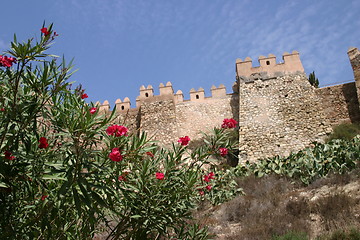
318,32
205,38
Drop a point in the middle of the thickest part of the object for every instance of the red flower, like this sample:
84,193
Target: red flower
208,187
7,61
43,142
84,95
43,197
2,109
223,151
150,154
184,140
117,130
206,178
159,176
45,31
93,110
115,155
229,123
201,193
122,178
9,156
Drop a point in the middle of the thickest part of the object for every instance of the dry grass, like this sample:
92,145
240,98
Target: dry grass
274,206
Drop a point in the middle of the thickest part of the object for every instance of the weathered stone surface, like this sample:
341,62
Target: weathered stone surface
277,109
279,116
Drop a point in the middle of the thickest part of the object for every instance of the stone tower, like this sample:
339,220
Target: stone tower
354,57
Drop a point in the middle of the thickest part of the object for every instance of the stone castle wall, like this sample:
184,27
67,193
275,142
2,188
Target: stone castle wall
277,109
354,57
196,117
340,103
167,116
278,116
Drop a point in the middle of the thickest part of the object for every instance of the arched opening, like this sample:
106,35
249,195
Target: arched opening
122,107
197,96
146,95
267,62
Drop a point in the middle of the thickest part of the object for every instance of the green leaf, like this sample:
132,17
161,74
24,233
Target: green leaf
3,185
53,177
77,201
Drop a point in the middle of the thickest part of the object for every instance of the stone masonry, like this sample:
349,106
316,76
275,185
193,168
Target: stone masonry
354,56
277,109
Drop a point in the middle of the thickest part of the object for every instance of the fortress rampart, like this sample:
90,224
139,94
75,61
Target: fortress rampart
277,109
268,67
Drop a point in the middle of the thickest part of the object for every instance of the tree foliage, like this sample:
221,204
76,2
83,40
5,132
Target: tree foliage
313,80
68,171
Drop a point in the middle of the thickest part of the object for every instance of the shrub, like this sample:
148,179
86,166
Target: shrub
313,80
292,236
352,234
345,131
337,156
66,170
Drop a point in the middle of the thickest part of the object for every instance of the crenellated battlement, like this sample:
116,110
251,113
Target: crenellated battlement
166,92
274,117
268,68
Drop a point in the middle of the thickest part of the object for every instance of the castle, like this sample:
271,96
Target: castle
277,109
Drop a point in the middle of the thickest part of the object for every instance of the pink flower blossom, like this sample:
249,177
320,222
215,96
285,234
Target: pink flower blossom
184,141
121,178
150,154
43,142
2,109
208,177
201,192
208,187
115,155
9,156
223,151
229,123
117,130
84,95
43,197
45,31
159,176
7,61
93,110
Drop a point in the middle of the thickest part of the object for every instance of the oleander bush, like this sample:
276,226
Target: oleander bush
67,171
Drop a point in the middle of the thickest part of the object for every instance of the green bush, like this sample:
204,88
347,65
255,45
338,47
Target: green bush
67,171
345,131
352,234
292,236
337,156
313,80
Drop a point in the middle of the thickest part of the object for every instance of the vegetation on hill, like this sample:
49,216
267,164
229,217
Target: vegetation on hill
337,156
313,80
345,131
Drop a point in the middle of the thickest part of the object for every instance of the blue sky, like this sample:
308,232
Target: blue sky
119,45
